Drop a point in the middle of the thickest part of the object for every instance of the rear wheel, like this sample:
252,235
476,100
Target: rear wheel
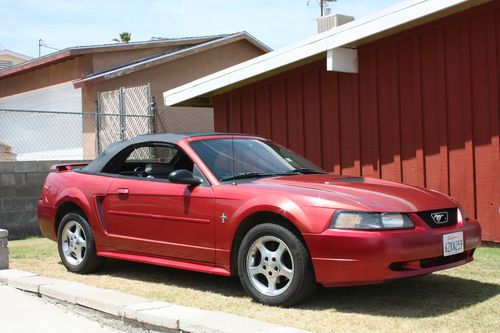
76,245
274,266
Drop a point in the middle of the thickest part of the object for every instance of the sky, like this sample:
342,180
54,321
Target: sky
66,23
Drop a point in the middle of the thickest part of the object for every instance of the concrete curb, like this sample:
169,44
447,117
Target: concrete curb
144,312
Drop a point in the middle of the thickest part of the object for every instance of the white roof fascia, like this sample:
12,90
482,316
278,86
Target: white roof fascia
391,17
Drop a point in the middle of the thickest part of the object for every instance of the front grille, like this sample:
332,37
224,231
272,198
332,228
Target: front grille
427,216
438,261
403,266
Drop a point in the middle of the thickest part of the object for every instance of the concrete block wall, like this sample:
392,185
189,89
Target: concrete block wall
20,186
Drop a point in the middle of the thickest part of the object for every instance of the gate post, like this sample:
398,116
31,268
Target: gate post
122,113
152,110
97,124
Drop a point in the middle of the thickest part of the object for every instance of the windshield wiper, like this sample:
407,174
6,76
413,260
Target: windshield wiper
273,174
305,171
248,175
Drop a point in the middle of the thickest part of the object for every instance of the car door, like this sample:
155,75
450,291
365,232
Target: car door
161,218
156,217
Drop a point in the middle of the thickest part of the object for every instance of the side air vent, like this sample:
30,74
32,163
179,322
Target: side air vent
99,201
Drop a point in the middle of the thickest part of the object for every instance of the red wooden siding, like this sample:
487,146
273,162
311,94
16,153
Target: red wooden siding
423,109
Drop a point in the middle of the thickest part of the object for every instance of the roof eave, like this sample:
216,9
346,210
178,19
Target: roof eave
257,43
82,50
143,44
386,22
131,68
37,63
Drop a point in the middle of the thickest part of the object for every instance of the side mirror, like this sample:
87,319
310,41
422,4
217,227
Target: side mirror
183,176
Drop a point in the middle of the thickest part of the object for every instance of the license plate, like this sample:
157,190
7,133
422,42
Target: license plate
453,243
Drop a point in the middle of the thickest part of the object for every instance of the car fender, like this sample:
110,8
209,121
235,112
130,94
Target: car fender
300,215
77,197
275,204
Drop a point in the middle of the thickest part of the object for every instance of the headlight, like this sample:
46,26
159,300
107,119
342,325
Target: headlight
370,221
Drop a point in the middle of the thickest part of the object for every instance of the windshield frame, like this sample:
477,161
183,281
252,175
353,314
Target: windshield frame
273,146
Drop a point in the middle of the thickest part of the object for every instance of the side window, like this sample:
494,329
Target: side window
197,173
156,154
151,161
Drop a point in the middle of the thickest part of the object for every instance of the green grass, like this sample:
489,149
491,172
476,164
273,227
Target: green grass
466,298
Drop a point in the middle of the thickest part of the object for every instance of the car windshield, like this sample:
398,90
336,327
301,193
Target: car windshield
231,159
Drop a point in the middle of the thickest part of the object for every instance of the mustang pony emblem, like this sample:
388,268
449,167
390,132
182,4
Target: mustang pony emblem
441,217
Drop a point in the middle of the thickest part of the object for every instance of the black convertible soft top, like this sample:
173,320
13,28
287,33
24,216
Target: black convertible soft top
170,138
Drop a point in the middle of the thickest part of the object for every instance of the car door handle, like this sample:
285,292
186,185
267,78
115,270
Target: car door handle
122,191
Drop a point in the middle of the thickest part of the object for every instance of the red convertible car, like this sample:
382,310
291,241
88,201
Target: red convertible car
233,204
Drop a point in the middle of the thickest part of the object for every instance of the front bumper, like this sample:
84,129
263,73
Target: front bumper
355,257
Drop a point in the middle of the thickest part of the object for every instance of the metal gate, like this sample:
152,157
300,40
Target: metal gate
123,114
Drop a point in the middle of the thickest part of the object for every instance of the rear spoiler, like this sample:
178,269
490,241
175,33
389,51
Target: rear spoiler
67,167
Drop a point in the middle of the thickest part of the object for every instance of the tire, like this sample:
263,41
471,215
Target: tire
76,245
274,266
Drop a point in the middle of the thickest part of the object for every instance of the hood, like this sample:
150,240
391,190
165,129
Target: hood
361,193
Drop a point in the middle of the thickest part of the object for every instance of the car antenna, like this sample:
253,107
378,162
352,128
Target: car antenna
232,148
232,138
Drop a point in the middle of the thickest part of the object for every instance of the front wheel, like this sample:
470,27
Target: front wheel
274,266
76,245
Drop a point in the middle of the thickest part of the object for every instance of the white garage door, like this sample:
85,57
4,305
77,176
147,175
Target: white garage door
43,136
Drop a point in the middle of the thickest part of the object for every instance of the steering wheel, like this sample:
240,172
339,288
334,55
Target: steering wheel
139,171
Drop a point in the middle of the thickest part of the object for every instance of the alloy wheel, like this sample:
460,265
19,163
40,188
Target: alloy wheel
74,243
270,265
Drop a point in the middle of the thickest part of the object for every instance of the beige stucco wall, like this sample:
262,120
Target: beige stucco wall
71,69
175,73
60,72
15,60
161,77
107,60
168,75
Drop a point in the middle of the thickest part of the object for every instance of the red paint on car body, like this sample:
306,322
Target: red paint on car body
180,226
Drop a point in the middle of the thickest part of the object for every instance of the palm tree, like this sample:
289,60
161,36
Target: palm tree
124,37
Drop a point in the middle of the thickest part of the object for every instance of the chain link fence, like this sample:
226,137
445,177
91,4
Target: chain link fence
27,135
134,107
121,114
184,119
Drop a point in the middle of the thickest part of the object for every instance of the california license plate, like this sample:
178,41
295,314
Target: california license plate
453,243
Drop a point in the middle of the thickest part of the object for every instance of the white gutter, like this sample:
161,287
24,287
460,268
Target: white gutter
337,37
